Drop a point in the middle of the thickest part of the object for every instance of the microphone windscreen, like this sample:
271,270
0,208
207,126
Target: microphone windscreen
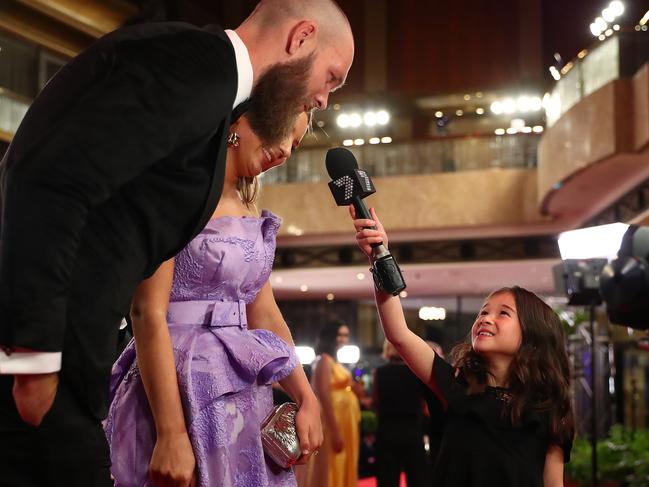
340,162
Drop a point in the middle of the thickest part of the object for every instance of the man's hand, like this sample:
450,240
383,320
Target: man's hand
173,463
34,395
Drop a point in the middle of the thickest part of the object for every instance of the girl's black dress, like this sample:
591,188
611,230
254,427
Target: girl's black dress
480,446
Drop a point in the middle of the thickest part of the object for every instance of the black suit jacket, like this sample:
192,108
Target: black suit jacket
117,165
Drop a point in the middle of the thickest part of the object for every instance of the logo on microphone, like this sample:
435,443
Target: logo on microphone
348,183
355,184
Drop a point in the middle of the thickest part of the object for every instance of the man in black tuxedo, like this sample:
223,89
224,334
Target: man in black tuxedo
117,165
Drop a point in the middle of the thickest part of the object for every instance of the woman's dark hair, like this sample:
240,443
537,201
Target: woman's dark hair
327,338
539,375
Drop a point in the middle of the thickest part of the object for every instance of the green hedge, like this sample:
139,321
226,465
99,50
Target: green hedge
622,457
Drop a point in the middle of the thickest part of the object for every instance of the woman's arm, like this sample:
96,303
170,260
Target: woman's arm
553,470
414,351
172,462
264,313
322,386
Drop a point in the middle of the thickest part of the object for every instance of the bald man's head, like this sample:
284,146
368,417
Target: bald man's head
284,31
331,20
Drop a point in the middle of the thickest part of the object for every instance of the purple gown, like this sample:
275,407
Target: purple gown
225,370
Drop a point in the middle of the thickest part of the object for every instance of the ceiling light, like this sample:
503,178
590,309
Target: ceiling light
359,141
608,15
330,296
386,140
355,120
497,108
499,131
348,142
382,117
370,119
537,129
511,131
479,111
360,276
459,113
616,7
304,288
439,114
555,73
343,120
601,24
403,294
509,106
375,140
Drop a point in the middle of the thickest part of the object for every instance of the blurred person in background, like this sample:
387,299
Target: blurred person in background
399,403
336,464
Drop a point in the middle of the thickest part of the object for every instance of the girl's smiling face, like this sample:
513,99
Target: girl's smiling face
497,329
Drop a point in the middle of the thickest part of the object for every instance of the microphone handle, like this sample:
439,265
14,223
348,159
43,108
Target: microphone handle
363,212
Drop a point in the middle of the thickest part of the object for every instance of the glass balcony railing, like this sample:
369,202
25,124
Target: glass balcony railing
619,56
424,157
12,110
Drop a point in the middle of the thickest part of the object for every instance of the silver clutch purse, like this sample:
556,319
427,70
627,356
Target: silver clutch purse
279,437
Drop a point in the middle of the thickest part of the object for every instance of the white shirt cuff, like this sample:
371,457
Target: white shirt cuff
30,362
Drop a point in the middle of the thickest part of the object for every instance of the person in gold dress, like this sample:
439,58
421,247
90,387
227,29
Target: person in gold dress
336,464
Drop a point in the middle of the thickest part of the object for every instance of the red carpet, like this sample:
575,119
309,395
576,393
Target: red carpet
371,482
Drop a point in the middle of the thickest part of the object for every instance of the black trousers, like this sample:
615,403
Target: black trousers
68,449
400,448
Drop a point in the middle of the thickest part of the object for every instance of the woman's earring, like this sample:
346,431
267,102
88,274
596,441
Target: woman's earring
233,139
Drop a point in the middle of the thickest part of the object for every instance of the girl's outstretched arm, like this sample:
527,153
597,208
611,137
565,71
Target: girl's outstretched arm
414,351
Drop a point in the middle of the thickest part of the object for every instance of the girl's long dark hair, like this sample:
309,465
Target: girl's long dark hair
539,375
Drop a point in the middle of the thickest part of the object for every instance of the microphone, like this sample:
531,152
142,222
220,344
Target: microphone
350,185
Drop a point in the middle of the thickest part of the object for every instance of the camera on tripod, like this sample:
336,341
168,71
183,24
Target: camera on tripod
607,264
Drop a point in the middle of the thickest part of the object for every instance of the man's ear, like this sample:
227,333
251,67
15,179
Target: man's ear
300,34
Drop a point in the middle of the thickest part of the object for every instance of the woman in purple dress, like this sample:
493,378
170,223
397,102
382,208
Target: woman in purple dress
193,418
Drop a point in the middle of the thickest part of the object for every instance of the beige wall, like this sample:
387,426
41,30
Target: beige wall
433,201
596,128
641,107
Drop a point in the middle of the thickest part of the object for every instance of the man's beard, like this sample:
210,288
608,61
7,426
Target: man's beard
278,99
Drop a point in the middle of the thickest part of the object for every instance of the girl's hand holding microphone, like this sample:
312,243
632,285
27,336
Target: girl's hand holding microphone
365,236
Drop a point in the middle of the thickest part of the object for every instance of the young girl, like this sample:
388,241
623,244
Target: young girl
508,416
